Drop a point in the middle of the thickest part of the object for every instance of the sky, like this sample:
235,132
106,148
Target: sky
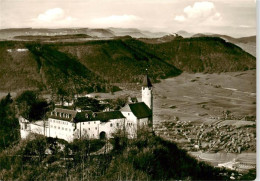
230,17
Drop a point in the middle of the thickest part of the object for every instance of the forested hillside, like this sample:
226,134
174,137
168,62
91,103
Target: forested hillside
95,65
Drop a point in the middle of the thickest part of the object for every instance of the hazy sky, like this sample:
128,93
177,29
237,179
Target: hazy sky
231,17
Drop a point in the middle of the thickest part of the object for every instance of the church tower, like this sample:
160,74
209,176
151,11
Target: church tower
147,92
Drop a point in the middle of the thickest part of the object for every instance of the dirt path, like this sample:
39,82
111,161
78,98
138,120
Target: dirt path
104,150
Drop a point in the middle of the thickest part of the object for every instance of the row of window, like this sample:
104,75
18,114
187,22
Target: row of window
64,115
117,124
89,129
57,121
89,122
58,127
129,124
61,122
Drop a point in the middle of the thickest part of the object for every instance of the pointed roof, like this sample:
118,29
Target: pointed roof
147,82
139,109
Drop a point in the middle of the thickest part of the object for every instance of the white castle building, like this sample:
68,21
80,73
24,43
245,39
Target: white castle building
70,124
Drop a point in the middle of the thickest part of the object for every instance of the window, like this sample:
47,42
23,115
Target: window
96,128
54,126
65,129
94,122
86,115
58,127
111,125
88,122
62,128
88,128
117,124
83,123
128,114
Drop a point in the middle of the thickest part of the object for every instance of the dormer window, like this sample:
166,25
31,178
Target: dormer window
86,115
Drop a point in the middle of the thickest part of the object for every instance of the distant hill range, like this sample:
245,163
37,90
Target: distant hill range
7,34
85,34
246,43
96,64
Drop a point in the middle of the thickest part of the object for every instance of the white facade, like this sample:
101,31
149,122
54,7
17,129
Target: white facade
38,127
93,129
130,123
61,129
147,96
24,127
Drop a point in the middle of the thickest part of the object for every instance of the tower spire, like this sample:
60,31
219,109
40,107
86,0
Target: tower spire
146,81
147,95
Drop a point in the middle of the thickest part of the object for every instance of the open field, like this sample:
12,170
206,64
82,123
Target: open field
216,158
201,97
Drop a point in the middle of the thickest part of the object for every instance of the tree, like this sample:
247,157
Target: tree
61,95
31,106
87,103
8,123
